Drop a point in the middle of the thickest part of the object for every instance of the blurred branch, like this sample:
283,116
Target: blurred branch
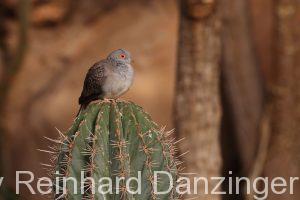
244,135
5,53
242,83
283,158
197,103
262,152
11,63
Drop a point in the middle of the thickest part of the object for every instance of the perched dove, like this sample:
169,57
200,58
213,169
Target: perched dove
108,78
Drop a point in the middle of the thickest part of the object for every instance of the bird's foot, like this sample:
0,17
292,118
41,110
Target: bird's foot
108,100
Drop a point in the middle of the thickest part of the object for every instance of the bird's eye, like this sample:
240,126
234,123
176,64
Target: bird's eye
122,56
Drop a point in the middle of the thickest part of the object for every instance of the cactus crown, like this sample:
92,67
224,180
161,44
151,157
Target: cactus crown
115,139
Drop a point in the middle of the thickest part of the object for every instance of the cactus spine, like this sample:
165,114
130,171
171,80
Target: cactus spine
115,139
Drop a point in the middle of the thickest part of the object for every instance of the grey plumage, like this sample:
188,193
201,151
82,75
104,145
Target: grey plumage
108,78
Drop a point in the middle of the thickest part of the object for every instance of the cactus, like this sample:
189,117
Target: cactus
113,138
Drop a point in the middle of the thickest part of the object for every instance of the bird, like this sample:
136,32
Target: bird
107,79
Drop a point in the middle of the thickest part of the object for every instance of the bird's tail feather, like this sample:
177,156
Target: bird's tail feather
84,101
82,107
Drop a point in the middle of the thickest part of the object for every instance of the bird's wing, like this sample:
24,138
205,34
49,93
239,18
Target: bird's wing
93,82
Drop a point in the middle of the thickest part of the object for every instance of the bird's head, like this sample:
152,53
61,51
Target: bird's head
120,55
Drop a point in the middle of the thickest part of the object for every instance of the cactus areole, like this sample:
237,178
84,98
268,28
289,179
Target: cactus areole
115,142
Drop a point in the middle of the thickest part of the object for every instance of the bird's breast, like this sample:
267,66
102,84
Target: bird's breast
118,82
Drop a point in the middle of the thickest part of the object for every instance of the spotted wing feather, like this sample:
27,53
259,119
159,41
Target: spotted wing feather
92,88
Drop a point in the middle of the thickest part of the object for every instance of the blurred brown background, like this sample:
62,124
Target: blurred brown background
232,60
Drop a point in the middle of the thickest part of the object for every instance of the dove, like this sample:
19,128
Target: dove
109,78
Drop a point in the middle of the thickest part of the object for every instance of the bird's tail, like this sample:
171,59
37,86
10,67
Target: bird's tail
82,107
79,111
84,101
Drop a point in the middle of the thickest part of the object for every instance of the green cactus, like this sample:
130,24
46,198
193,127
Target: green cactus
115,139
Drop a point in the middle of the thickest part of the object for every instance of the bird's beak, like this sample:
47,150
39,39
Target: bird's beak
132,61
